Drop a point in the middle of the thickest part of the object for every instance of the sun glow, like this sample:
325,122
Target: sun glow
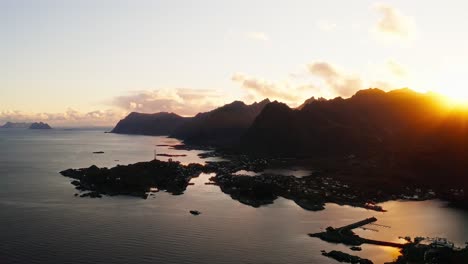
457,95
454,97
452,85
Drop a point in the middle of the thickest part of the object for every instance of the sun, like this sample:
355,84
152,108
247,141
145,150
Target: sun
454,97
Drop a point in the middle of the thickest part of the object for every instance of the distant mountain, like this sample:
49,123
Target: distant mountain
16,125
36,125
149,124
39,125
222,126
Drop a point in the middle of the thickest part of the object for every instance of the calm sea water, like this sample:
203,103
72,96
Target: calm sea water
42,222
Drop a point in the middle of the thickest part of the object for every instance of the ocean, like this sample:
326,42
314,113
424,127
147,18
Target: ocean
41,221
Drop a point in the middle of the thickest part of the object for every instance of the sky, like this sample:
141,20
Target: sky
91,62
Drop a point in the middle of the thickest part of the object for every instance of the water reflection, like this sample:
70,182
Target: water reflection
37,203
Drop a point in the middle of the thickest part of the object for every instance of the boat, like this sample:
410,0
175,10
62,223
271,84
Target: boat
195,212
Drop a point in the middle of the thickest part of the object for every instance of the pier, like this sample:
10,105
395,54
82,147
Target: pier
359,223
346,236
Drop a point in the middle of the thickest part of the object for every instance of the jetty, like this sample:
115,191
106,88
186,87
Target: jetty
346,236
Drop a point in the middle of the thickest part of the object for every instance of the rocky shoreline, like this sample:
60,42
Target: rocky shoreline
135,179
309,192
344,257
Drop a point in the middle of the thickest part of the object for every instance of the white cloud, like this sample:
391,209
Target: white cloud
185,102
324,25
397,69
258,36
340,83
320,79
67,118
393,23
285,91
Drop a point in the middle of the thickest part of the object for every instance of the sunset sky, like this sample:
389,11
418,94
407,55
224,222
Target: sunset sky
92,62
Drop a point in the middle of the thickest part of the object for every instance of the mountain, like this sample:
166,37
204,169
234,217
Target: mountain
370,120
222,126
310,100
149,124
397,138
16,125
39,125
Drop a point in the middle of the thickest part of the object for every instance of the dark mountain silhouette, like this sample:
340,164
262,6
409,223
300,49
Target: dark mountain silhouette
149,124
371,120
310,100
380,141
16,125
392,138
39,125
222,126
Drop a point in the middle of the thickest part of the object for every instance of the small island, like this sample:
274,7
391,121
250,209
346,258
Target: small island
39,125
25,125
136,179
15,125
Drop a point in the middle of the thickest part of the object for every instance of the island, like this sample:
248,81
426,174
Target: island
136,179
310,192
344,257
26,125
39,125
16,125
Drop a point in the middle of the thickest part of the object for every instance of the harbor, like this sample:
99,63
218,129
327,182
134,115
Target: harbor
345,235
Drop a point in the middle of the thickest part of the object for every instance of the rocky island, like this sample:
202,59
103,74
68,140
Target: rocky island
135,179
39,125
310,192
35,125
16,125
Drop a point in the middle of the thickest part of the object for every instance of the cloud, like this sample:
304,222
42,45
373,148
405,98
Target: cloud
67,118
393,22
324,25
318,79
258,88
397,69
340,83
258,36
185,102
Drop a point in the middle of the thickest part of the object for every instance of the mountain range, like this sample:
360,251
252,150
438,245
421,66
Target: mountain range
222,126
393,138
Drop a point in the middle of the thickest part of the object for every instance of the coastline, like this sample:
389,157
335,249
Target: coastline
312,192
